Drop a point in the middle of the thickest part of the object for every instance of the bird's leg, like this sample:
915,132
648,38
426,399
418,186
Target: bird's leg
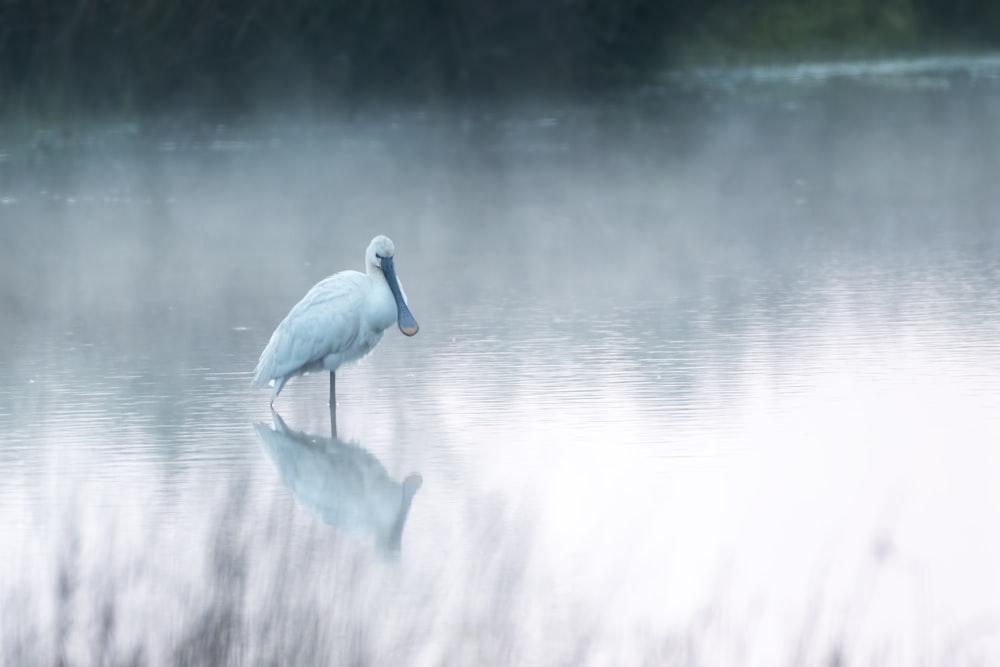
278,384
333,405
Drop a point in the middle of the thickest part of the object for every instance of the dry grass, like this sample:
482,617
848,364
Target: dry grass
259,584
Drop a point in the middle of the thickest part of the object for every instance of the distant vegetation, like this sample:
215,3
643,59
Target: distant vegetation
125,55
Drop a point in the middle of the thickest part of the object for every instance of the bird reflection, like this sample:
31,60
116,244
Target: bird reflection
341,483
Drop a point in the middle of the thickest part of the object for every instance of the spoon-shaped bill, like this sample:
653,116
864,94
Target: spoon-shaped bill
409,487
404,318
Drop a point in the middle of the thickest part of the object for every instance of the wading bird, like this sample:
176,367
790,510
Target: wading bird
338,321
341,483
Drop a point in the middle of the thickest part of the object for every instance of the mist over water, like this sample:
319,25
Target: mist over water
706,374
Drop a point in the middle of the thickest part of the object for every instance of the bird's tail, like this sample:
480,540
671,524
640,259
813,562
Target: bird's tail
262,373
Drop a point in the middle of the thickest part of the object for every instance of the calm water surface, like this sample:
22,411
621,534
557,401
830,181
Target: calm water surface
703,379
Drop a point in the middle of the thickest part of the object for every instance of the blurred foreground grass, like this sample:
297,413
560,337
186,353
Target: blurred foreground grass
254,585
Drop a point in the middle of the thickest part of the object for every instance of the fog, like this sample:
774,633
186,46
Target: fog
707,373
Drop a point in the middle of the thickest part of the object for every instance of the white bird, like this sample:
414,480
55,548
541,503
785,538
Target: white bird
338,321
341,483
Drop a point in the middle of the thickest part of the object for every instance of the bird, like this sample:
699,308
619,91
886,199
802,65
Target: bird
341,483
339,321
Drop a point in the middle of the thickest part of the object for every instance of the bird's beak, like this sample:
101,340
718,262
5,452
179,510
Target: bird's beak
404,318
409,487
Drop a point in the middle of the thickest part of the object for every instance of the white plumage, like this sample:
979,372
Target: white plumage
343,484
340,320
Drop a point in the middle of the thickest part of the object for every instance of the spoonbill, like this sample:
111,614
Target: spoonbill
338,321
341,483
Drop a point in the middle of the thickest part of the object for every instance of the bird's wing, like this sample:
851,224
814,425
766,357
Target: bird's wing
325,321
321,481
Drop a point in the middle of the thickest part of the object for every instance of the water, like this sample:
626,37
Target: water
707,375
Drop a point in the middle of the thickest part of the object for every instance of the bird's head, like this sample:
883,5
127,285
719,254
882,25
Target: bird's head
380,256
380,248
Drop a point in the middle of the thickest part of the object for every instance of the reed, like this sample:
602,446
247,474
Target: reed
259,583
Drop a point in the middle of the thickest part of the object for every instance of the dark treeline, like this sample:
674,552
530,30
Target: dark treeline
135,54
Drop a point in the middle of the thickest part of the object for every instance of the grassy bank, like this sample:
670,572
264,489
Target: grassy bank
121,56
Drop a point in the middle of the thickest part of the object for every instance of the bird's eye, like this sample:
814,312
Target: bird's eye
379,256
